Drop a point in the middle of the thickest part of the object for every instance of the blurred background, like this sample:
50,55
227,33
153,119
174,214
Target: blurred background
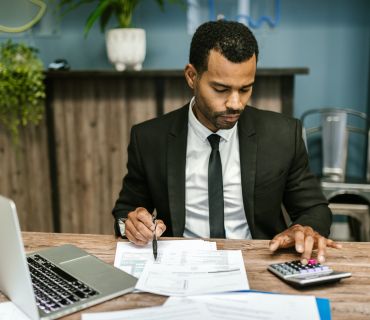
331,38
66,172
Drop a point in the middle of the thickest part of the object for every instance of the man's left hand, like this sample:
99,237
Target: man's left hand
305,239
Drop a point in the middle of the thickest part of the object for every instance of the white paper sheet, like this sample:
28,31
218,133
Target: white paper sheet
188,311
184,273
132,258
9,311
250,305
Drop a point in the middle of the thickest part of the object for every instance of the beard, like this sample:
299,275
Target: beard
220,120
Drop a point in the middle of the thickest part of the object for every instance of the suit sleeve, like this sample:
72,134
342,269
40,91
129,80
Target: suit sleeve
134,192
303,198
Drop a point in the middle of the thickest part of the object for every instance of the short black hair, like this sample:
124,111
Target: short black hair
232,39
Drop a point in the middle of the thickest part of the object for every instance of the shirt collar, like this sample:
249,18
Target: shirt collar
202,131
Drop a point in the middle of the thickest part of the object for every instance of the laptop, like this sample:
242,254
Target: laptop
56,281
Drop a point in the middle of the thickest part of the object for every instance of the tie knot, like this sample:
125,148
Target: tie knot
214,141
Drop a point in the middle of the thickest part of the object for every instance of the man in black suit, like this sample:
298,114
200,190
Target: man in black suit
219,168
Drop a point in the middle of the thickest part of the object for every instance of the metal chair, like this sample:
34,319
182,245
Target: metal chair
336,131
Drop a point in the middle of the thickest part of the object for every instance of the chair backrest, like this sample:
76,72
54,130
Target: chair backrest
334,126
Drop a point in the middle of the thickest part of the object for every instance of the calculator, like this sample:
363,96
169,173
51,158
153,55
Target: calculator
299,275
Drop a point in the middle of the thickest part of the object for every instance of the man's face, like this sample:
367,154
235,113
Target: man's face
222,92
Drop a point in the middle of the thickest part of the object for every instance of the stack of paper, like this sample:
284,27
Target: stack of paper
183,267
200,281
253,305
231,306
132,258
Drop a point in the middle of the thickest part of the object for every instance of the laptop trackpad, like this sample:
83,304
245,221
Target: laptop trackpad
98,274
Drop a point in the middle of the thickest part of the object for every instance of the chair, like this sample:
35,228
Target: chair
331,134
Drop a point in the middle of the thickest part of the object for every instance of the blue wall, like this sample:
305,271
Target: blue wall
331,38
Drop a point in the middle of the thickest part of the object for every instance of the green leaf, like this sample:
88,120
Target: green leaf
161,4
104,19
22,90
71,5
98,11
105,9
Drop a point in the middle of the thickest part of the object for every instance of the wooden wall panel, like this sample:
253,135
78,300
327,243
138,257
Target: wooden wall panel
24,177
141,102
176,94
266,94
93,119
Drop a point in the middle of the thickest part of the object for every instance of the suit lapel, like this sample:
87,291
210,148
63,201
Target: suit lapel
176,163
248,155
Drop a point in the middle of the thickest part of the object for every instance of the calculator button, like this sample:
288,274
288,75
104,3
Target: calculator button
324,268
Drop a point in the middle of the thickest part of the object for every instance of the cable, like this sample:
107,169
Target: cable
28,25
271,22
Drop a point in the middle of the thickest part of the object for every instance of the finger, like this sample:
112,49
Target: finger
299,241
308,246
161,228
134,240
145,217
332,244
142,220
276,242
321,249
284,239
135,228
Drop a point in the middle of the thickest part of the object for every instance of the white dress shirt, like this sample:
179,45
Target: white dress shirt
196,181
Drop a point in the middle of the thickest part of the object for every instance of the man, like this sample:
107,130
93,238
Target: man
173,168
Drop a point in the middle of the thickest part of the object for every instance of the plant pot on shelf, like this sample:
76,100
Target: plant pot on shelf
126,48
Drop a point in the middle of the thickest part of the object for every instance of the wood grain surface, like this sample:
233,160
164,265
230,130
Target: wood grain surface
349,299
25,176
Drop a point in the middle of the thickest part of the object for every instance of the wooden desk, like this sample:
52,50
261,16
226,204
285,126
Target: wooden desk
350,298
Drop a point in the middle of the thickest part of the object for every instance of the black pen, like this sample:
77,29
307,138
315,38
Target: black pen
155,244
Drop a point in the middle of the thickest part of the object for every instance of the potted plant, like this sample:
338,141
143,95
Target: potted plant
22,89
126,46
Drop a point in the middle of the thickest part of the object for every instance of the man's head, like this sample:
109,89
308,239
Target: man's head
221,71
232,39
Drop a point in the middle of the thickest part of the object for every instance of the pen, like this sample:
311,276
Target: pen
155,244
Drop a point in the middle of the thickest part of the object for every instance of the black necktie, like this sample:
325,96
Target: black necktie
215,190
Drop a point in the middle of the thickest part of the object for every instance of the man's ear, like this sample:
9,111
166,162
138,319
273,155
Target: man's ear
190,75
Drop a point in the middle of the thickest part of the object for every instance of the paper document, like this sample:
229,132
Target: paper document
193,311
9,311
230,306
251,305
181,273
132,258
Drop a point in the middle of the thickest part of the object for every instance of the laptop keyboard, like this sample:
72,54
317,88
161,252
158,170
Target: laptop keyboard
54,288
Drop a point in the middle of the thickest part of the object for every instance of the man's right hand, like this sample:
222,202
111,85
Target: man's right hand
139,227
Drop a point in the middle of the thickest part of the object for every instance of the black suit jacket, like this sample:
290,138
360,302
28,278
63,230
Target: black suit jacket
274,170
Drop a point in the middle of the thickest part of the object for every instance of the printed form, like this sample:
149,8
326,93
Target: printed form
254,305
183,267
182,273
132,259
229,306
193,311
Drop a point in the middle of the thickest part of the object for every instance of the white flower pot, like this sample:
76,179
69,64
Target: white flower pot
126,48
